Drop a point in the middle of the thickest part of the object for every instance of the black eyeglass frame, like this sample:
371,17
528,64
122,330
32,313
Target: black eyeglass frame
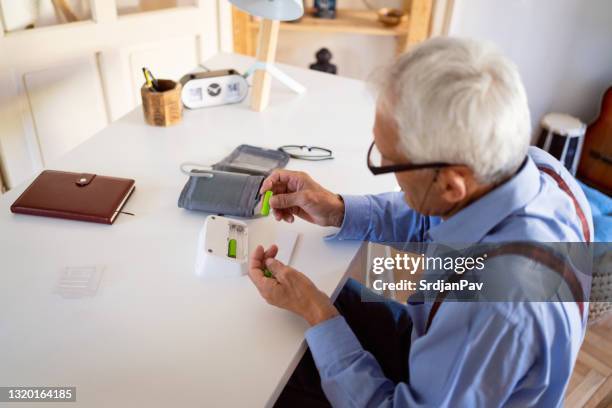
327,156
396,168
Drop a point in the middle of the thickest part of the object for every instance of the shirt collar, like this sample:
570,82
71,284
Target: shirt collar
472,223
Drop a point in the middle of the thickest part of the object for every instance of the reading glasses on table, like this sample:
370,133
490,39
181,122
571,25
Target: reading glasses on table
303,152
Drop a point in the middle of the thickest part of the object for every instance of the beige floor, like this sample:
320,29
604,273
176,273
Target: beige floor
591,383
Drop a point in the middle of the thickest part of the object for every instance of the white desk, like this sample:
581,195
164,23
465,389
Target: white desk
155,335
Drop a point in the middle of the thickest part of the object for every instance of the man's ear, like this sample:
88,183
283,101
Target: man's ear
453,182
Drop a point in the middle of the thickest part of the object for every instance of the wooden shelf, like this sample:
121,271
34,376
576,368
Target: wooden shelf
346,21
413,30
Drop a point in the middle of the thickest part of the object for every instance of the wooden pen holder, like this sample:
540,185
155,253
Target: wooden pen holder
162,107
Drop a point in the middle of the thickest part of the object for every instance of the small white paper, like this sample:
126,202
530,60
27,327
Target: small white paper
286,241
79,281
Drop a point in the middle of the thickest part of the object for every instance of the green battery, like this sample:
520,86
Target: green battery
231,248
265,205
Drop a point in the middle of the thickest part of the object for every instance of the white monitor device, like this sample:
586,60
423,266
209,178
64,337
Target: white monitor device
224,244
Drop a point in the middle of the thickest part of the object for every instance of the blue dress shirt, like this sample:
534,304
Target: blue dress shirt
474,354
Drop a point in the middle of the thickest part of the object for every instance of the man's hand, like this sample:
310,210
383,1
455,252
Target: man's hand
288,288
295,193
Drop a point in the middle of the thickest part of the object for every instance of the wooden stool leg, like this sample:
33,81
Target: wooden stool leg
266,52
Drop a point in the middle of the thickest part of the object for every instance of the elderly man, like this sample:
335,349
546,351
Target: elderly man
452,123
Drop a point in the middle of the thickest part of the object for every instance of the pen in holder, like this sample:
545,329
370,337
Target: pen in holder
163,106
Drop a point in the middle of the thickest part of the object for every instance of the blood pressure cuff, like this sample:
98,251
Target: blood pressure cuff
221,192
232,186
253,160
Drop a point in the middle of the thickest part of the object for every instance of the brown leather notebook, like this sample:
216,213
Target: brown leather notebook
75,196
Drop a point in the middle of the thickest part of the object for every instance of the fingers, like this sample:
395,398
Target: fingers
282,181
278,269
284,215
274,179
292,192
285,206
256,261
267,184
271,252
274,265
288,200
255,270
266,287
278,214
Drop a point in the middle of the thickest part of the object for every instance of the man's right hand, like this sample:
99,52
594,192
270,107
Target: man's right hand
295,193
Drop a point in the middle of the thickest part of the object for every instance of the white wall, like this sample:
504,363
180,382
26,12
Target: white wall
61,84
563,48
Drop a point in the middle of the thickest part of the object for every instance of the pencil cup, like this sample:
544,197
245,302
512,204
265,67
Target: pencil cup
162,107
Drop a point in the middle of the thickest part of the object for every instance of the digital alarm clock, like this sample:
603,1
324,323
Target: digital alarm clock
213,88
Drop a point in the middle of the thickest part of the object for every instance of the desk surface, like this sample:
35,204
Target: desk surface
155,334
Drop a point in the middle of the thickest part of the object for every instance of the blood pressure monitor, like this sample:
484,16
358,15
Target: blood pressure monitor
223,248
213,88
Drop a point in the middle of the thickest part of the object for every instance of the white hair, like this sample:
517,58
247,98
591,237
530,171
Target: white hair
459,101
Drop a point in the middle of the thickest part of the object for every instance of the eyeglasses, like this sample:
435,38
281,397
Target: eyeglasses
312,153
376,166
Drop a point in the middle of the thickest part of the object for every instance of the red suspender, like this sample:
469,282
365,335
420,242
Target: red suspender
538,254
563,186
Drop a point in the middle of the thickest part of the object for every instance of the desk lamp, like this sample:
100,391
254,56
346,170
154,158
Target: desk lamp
272,13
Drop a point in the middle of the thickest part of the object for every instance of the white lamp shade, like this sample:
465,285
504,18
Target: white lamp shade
283,10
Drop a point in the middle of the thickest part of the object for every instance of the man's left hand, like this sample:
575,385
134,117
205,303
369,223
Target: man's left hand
288,288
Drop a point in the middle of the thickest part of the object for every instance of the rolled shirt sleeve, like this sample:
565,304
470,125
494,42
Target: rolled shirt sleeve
380,218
